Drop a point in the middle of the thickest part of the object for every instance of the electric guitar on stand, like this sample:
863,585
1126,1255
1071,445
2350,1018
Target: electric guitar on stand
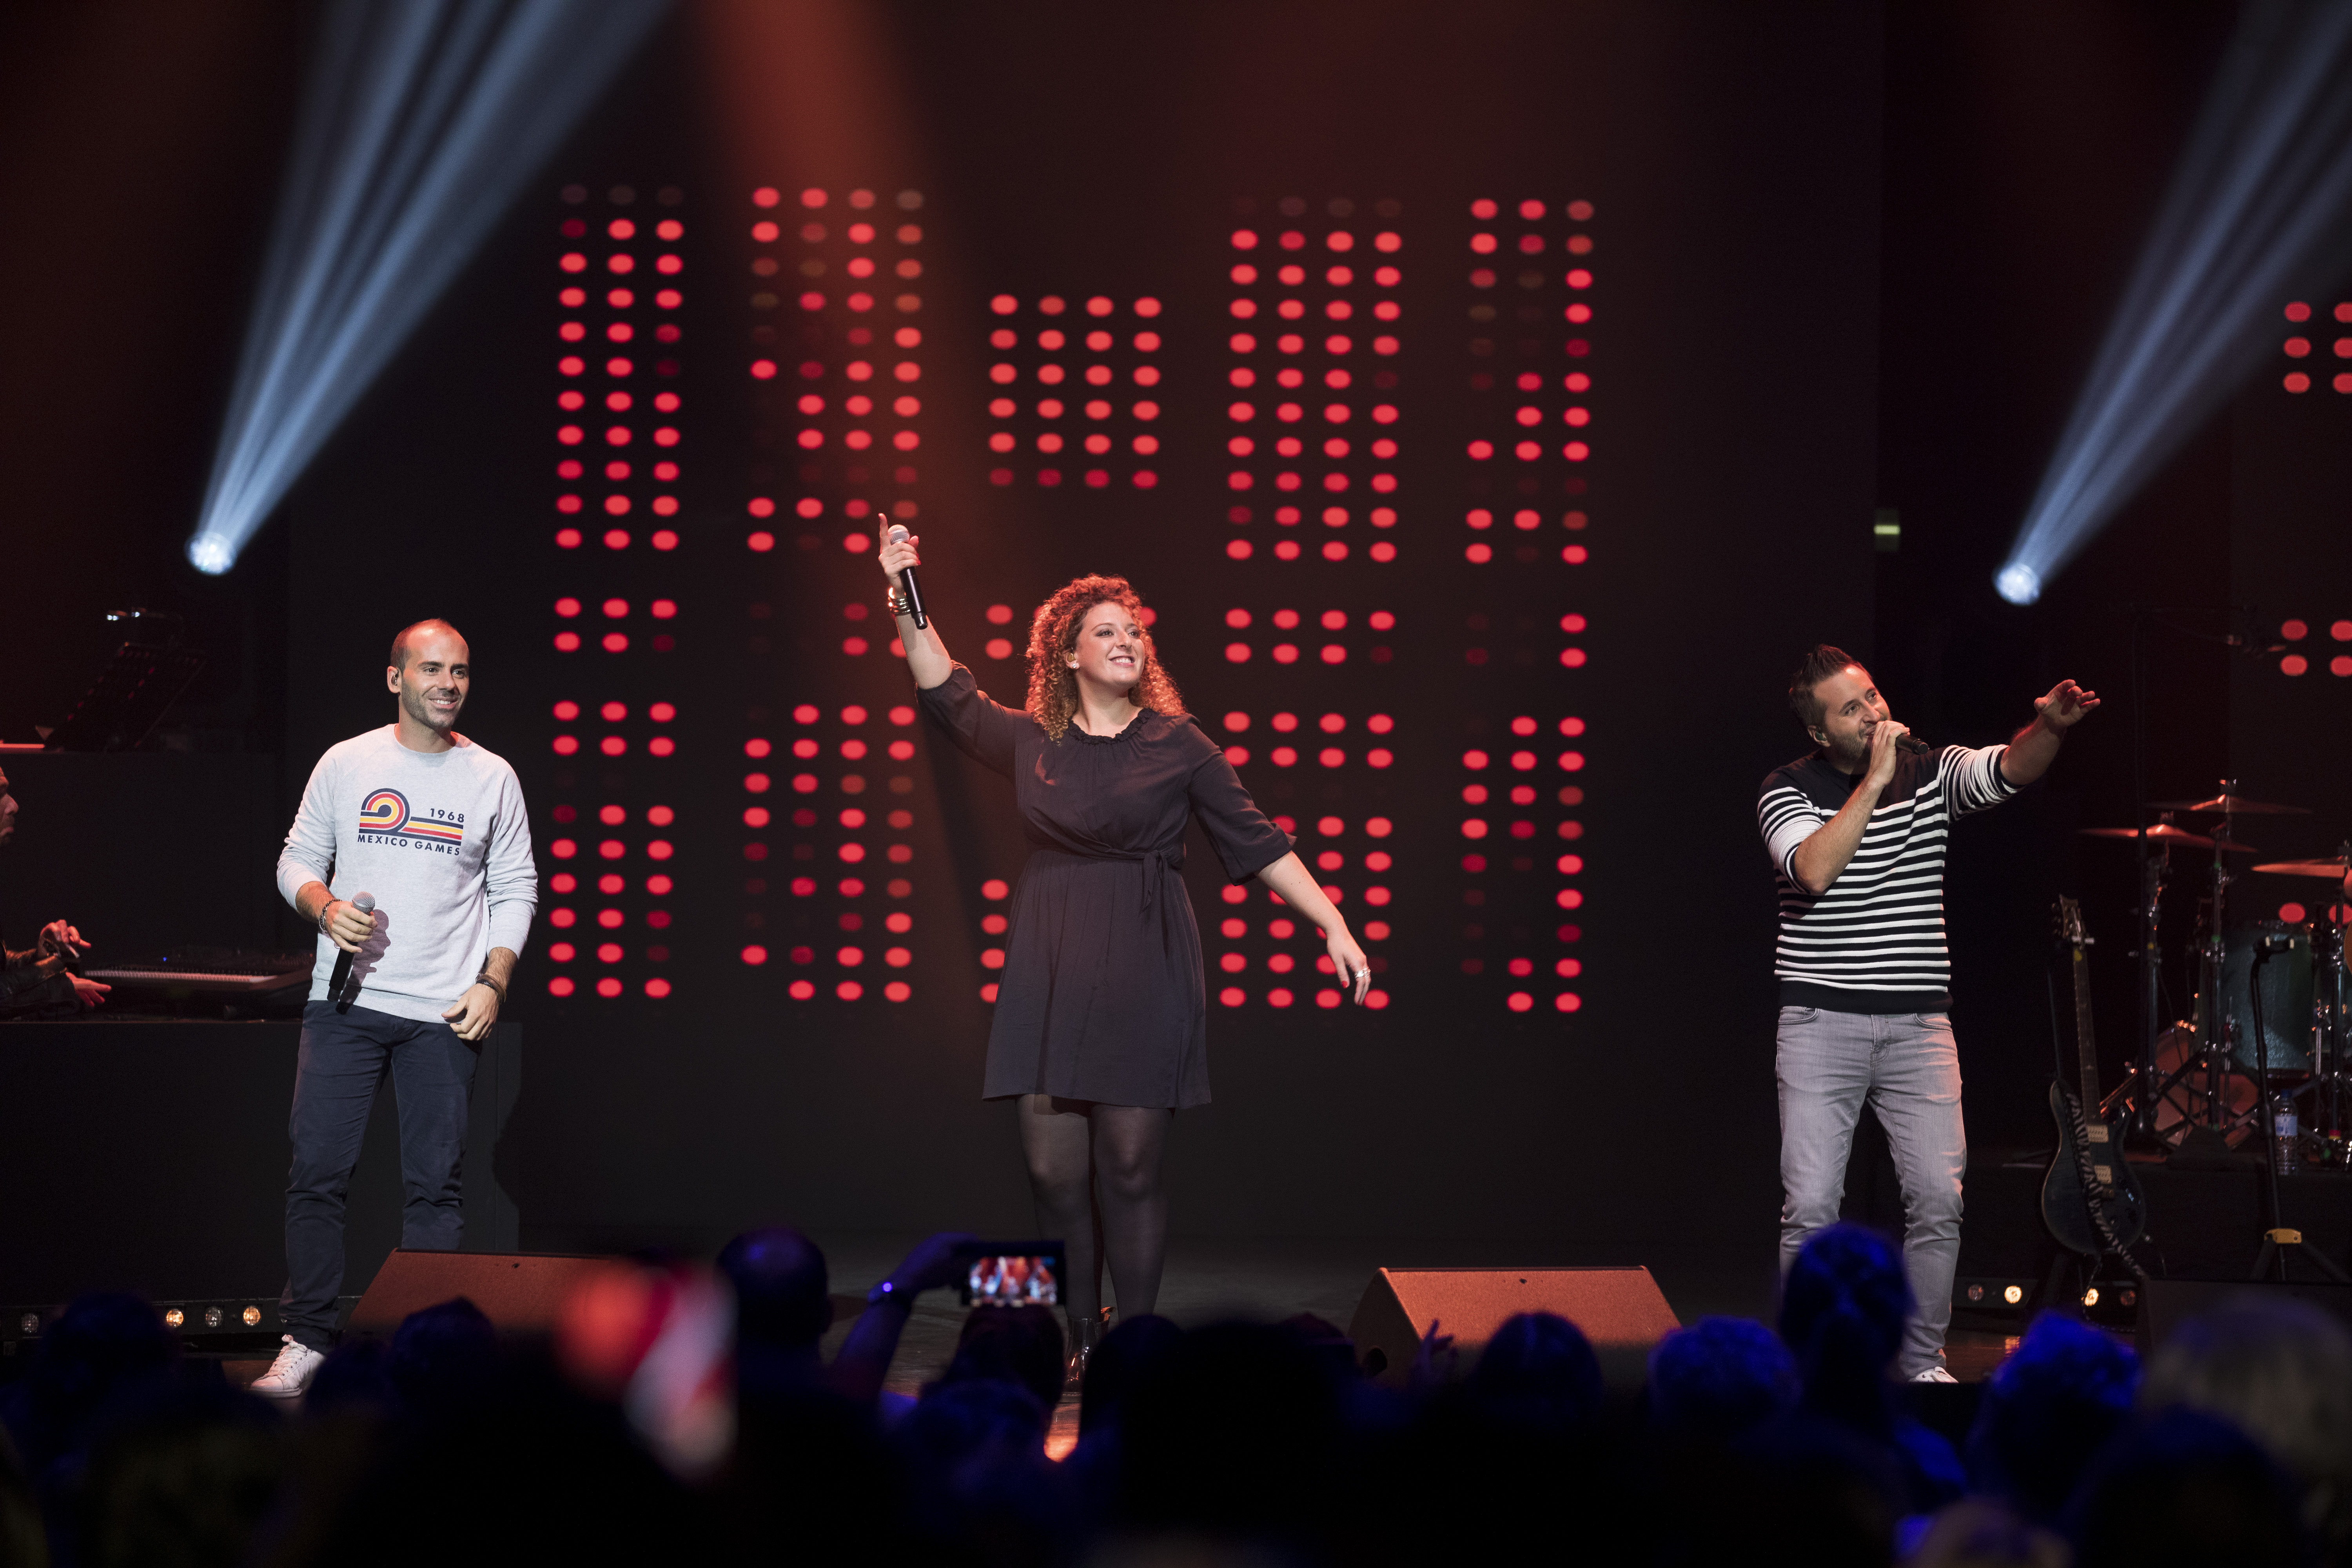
2090,1199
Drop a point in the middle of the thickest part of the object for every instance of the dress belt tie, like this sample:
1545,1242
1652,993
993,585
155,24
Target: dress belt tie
1158,866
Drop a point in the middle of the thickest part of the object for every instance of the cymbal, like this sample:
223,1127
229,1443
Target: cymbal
2233,804
2164,833
2334,870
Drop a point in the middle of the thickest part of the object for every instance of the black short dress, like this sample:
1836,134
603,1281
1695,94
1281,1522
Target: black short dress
1102,996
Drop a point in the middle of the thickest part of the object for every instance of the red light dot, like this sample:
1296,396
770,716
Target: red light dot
2293,663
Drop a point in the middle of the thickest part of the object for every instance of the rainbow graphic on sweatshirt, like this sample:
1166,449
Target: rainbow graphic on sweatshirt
384,816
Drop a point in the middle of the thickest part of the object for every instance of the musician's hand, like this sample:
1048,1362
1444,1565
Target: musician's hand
89,993
60,937
473,1014
896,557
1883,753
2066,707
348,925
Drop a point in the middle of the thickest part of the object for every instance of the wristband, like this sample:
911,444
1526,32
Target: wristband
888,1290
484,979
323,909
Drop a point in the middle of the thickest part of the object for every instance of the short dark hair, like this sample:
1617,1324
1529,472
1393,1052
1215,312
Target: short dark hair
399,659
1822,661
783,1289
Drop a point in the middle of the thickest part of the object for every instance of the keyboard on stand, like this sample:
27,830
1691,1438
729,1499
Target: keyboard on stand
208,972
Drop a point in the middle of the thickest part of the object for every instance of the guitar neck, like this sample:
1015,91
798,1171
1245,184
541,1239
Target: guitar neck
2084,1043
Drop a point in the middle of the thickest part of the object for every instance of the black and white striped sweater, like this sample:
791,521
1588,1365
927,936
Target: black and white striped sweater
1874,941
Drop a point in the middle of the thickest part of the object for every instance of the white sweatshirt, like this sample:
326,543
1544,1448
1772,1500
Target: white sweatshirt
441,839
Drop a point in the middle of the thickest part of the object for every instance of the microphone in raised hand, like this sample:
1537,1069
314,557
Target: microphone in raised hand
914,595
365,904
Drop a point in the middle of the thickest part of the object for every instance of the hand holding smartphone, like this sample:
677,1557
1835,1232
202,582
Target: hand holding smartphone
1011,1273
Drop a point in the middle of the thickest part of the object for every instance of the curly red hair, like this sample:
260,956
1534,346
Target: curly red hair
1054,632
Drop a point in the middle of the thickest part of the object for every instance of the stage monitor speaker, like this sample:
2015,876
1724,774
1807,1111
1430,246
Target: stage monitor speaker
521,1292
1621,1311
2165,1303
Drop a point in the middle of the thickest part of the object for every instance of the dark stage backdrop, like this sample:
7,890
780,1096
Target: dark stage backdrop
1691,297
1730,166
1808,224
2291,706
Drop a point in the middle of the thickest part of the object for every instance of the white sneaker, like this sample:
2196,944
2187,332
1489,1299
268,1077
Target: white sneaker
291,1373
1933,1374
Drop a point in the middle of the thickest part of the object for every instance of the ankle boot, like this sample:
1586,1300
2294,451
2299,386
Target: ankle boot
1085,1333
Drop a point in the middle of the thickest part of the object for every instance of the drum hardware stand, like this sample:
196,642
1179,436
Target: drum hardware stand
2339,1034
2279,1243
2140,1073
2142,1133
2206,1143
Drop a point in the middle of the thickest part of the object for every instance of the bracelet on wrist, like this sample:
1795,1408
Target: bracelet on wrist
484,979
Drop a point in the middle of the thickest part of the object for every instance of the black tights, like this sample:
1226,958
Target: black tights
1095,1172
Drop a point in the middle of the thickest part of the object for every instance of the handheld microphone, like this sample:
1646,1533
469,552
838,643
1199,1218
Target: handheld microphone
365,904
906,580
1913,744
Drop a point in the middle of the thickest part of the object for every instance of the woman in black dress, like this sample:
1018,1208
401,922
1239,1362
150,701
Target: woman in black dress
1101,1028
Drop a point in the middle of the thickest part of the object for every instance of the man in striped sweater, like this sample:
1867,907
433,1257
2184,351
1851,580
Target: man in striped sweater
1857,833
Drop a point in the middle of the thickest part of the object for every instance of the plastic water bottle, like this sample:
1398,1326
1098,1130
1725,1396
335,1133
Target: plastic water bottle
2286,1138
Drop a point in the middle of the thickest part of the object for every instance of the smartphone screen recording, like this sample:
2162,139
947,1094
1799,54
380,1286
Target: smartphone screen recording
1013,1274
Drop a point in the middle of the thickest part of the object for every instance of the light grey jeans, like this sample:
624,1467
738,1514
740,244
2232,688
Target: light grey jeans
1905,1066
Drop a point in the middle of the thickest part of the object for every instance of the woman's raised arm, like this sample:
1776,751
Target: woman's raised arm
927,655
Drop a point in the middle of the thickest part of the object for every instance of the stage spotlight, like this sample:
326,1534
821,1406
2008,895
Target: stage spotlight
420,121
173,1317
2013,1294
2258,207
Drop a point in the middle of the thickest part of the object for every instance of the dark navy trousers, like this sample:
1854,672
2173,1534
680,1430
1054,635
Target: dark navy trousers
344,1056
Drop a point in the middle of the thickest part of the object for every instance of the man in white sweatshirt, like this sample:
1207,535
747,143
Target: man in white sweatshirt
433,826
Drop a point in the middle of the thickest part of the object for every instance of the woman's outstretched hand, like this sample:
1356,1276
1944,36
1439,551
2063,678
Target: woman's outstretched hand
1292,883
896,558
1355,969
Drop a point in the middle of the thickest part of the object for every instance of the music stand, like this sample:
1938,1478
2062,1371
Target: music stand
128,698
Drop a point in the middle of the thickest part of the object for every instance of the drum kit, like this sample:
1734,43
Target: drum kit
2199,1081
